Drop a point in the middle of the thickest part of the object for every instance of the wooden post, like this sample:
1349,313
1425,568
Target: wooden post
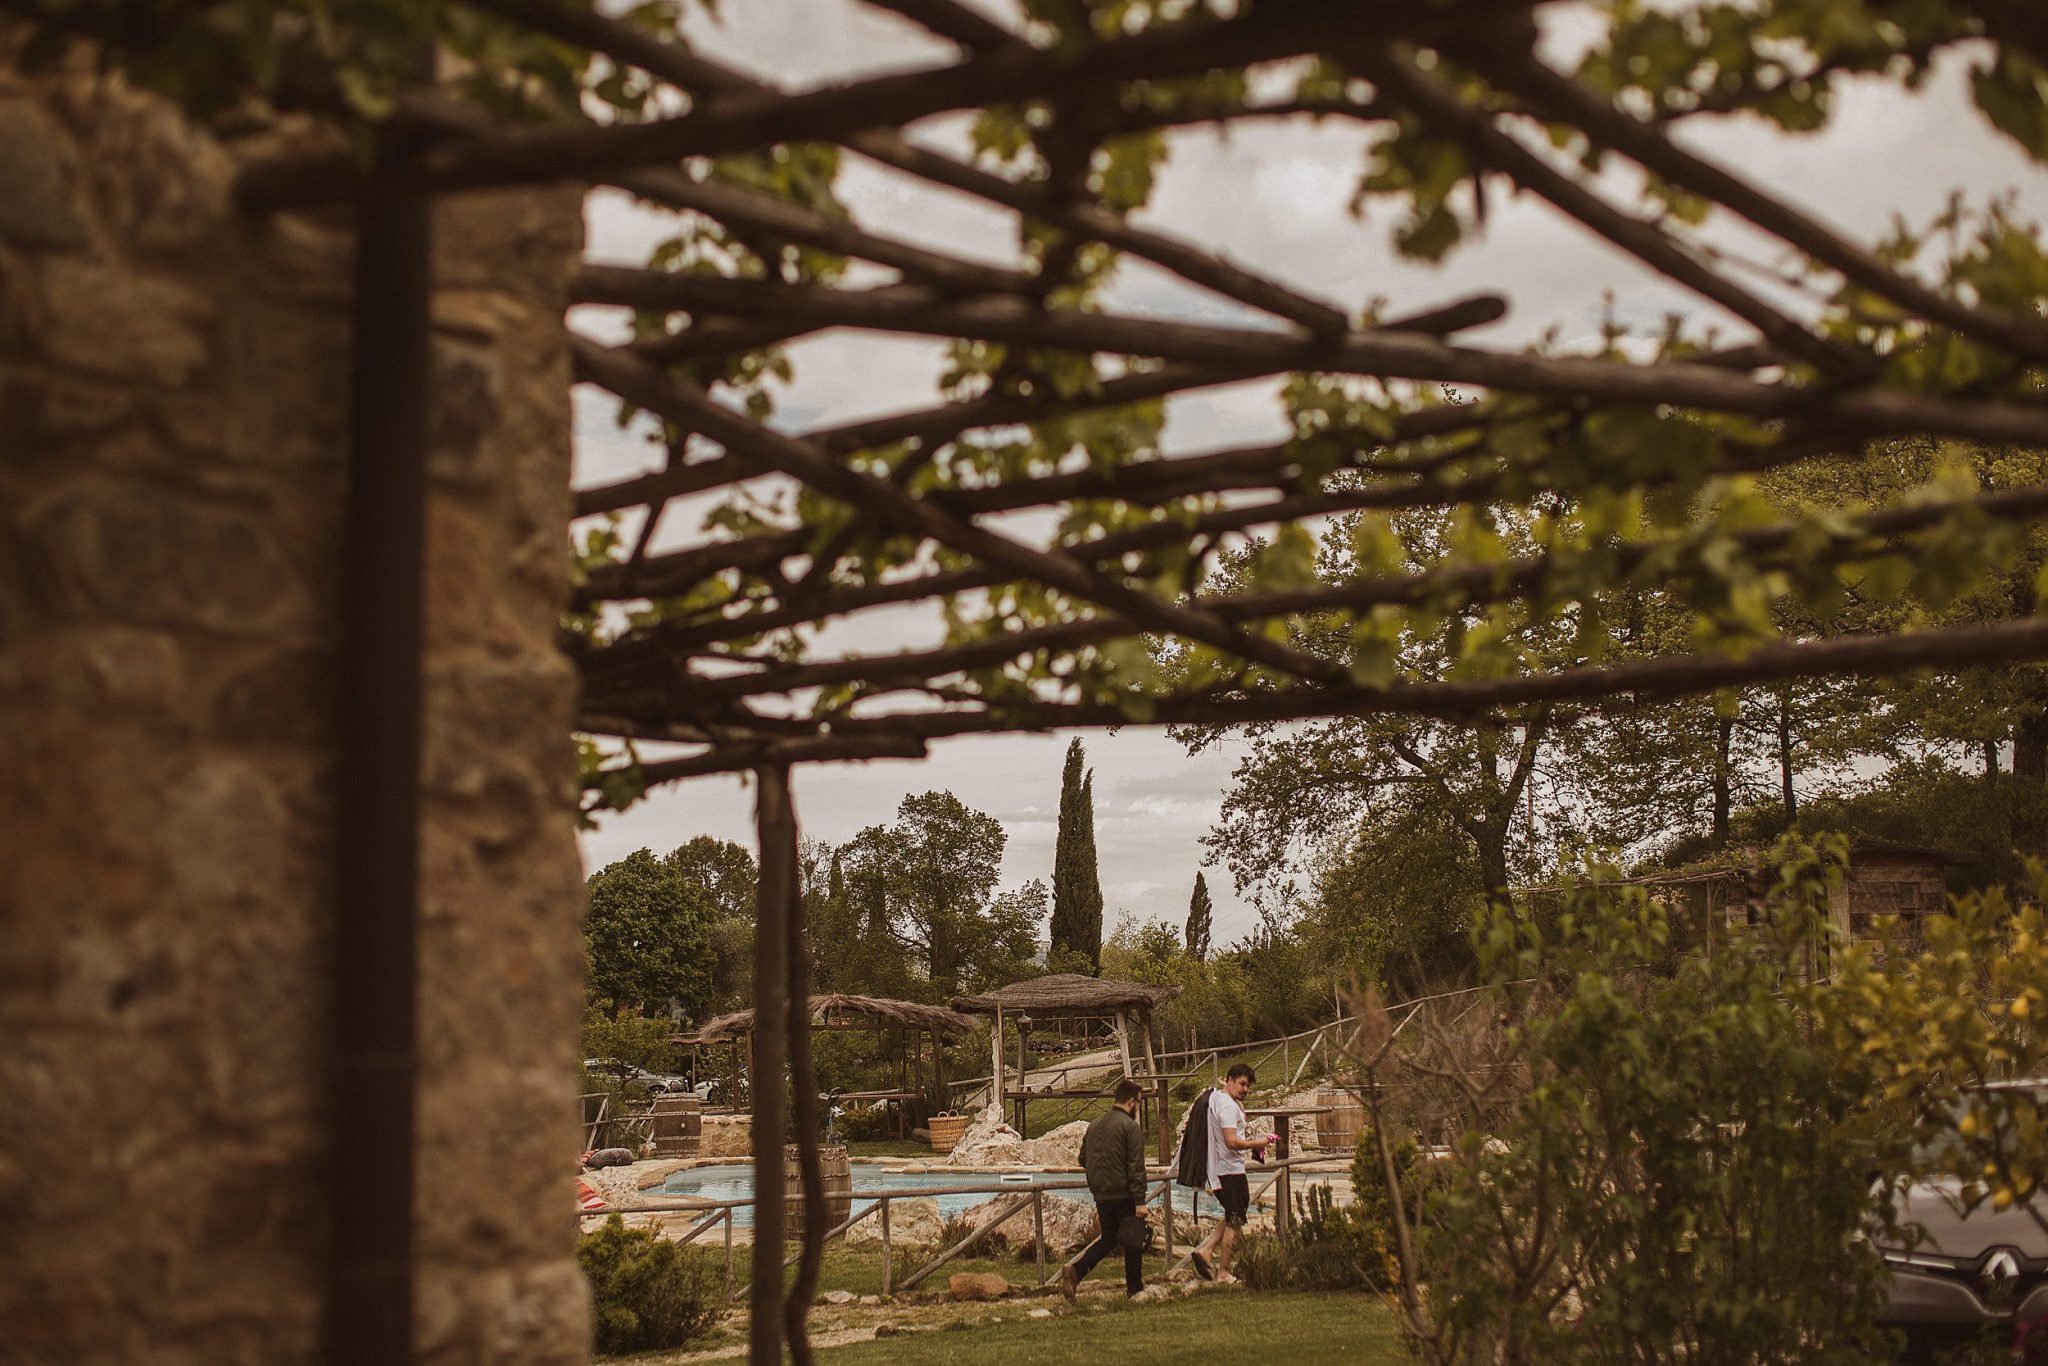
373,1012
1023,1083
728,1252
1152,1056
1123,1040
806,1122
1166,1213
1038,1228
888,1257
995,1050
1283,1186
1165,1141
774,825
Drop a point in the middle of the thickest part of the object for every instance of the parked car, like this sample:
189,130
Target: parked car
1972,1274
657,1083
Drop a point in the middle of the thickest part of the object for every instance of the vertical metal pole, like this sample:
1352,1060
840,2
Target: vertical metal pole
774,824
376,962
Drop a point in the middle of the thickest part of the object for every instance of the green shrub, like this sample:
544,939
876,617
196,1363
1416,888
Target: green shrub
858,1123
645,1292
1646,1168
1332,1246
1262,1262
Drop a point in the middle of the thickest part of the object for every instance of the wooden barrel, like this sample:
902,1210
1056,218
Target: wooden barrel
838,1188
678,1126
1338,1129
946,1131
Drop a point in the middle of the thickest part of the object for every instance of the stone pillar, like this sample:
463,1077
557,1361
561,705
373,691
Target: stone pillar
172,409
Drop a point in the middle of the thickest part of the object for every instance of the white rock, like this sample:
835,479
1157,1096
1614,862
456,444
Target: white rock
1039,1313
838,1297
620,1186
989,1142
913,1222
1070,1225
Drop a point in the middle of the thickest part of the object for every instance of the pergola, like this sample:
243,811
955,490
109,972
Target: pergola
1128,1005
912,1020
1053,631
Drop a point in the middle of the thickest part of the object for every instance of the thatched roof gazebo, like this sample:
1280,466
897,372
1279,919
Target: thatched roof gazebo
841,1011
838,1010
1127,1004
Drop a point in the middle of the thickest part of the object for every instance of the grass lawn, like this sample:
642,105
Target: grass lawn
888,1147
861,1271
1304,1329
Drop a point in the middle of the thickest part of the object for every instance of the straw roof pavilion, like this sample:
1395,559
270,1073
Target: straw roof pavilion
1066,993
1128,1005
831,1010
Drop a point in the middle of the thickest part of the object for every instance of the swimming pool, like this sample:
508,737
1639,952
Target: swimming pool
735,1181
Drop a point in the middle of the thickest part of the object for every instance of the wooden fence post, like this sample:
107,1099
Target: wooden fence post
1038,1229
888,1256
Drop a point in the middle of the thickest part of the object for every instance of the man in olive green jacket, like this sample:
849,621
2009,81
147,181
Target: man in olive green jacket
1113,1155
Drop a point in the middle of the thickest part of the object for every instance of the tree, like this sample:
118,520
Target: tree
646,937
1200,914
1395,903
926,885
722,872
723,876
1215,1000
1076,932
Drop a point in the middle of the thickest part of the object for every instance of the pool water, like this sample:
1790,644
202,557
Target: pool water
735,1181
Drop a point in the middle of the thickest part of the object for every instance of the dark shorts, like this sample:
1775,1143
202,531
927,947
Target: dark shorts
1234,1193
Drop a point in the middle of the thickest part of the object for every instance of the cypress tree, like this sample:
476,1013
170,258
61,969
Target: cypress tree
1076,930
1092,886
1199,909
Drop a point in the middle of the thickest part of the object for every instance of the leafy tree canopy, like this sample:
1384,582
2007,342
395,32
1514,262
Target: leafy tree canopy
645,937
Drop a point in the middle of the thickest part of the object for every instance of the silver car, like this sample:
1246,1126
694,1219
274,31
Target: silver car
1970,1276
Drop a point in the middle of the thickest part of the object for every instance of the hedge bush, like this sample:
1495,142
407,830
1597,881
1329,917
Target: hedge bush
645,1291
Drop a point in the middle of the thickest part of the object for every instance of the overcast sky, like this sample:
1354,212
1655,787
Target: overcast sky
1272,196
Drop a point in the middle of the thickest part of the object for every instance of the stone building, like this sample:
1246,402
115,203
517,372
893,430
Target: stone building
173,384
1889,889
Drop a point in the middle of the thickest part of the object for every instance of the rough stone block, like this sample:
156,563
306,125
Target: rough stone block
129,552
40,208
173,417
977,1285
104,320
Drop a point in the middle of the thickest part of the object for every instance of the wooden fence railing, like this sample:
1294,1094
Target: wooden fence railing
1295,1051
719,1214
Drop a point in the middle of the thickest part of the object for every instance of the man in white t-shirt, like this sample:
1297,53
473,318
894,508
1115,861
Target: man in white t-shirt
1228,1143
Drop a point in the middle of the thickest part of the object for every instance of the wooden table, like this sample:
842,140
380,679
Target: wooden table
1283,1184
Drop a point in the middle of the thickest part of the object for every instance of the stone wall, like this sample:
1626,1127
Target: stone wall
172,404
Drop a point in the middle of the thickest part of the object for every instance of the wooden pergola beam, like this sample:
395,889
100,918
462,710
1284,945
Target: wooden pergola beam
1379,354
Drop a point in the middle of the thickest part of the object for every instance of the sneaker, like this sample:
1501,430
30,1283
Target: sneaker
1069,1283
1227,1278
1202,1267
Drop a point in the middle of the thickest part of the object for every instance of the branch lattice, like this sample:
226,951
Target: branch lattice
1448,523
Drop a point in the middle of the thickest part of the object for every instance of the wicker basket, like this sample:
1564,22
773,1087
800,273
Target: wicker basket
946,1131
